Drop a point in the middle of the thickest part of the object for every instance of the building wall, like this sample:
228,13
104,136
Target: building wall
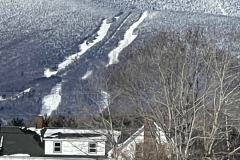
129,150
74,147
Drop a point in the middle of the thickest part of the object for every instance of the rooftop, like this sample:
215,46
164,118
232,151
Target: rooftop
17,140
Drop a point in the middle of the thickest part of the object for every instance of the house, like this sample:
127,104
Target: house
146,143
56,142
77,142
80,143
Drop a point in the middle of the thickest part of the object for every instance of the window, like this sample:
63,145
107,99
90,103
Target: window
92,148
57,147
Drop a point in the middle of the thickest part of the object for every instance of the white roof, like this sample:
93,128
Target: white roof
51,132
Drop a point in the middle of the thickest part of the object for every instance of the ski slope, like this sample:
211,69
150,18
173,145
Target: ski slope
51,101
87,75
129,37
16,96
86,45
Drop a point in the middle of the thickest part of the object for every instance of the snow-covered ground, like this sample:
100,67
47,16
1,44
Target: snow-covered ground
18,155
129,37
86,45
48,73
119,28
87,75
2,99
23,92
36,24
51,102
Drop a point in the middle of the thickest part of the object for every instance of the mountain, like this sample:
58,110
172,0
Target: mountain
55,55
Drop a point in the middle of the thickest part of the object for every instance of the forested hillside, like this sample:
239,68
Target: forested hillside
55,56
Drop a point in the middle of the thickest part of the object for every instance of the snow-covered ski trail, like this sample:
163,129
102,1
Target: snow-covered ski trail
87,74
16,96
129,37
119,27
102,32
51,101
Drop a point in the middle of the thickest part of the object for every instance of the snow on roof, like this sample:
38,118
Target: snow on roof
19,155
38,131
161,137
129,140
160,133
53,132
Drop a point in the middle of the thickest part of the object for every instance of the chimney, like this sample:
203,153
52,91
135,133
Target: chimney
39,121
148,130
149,139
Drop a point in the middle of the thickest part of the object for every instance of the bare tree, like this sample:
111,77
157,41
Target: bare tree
189,85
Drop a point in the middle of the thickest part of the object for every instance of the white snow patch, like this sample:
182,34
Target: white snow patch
38,131
102,32
2,99
33,129
18,155
87,74
16,96
51,102
119,28
27,90
129,37
117,17
48,73
21,94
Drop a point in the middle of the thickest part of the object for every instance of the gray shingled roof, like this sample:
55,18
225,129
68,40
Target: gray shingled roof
17,140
